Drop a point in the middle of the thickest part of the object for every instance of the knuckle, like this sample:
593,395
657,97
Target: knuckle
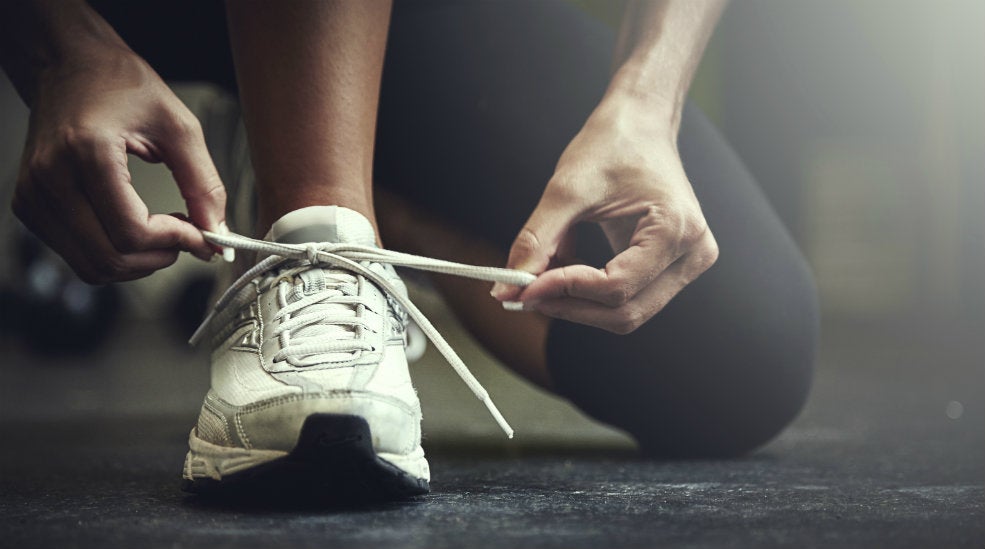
622,328
82,139
36,167
213,197
666,220
709,256
130,239
182,122
682,225
563,191
629,320
217,191
526,242
701,260
112,268
617,297
693,228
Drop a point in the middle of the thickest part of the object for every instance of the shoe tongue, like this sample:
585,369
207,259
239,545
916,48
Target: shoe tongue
323,224
320,224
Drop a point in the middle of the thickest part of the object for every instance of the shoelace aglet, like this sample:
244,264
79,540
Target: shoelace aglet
228,253
494,411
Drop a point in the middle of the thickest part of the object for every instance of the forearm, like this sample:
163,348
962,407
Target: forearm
624,172
660,46
309,77
36,35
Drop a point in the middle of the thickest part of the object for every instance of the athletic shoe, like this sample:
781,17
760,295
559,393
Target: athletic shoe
310,382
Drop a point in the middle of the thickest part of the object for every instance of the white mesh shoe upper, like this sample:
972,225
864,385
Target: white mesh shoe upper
324,313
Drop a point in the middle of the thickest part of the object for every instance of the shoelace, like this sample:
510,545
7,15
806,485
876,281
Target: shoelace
321,323
350,258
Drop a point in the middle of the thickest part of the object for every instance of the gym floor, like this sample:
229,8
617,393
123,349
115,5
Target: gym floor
889,452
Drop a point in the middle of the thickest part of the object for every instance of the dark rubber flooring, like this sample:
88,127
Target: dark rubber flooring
890,452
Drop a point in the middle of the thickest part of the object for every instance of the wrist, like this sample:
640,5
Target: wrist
655,103
646,115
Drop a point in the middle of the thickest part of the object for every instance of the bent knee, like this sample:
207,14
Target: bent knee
702,390
727,419
703,413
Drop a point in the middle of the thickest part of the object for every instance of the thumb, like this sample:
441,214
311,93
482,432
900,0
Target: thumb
537,244
191,165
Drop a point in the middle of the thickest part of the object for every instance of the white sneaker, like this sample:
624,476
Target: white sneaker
310,384
309,375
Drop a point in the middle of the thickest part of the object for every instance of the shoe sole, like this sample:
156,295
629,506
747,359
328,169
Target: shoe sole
333,460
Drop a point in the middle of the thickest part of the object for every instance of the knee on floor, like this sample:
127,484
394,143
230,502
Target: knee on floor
719,391
726,418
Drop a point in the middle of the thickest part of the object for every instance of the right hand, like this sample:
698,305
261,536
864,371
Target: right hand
73,189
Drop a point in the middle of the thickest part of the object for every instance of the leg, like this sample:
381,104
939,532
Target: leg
309,77
727,364
311,393
311,131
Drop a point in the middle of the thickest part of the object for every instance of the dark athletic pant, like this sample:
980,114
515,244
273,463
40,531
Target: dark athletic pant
478,101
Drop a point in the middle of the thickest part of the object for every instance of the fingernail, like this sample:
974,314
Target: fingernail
519,305
498,290
228,254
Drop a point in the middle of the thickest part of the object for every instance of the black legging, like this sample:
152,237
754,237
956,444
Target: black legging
478,101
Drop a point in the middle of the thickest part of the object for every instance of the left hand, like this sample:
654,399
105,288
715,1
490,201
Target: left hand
622,171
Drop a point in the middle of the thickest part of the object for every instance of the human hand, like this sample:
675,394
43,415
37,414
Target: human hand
622,171
74,189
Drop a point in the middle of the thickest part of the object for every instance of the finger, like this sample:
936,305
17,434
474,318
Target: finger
657,241
106,263
47,209
538,241
634,313
186,155
208,250
621,279
623,319
91,262
67,223
565,254
105,177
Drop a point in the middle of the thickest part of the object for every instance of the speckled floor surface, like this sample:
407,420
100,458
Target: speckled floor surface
890,452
